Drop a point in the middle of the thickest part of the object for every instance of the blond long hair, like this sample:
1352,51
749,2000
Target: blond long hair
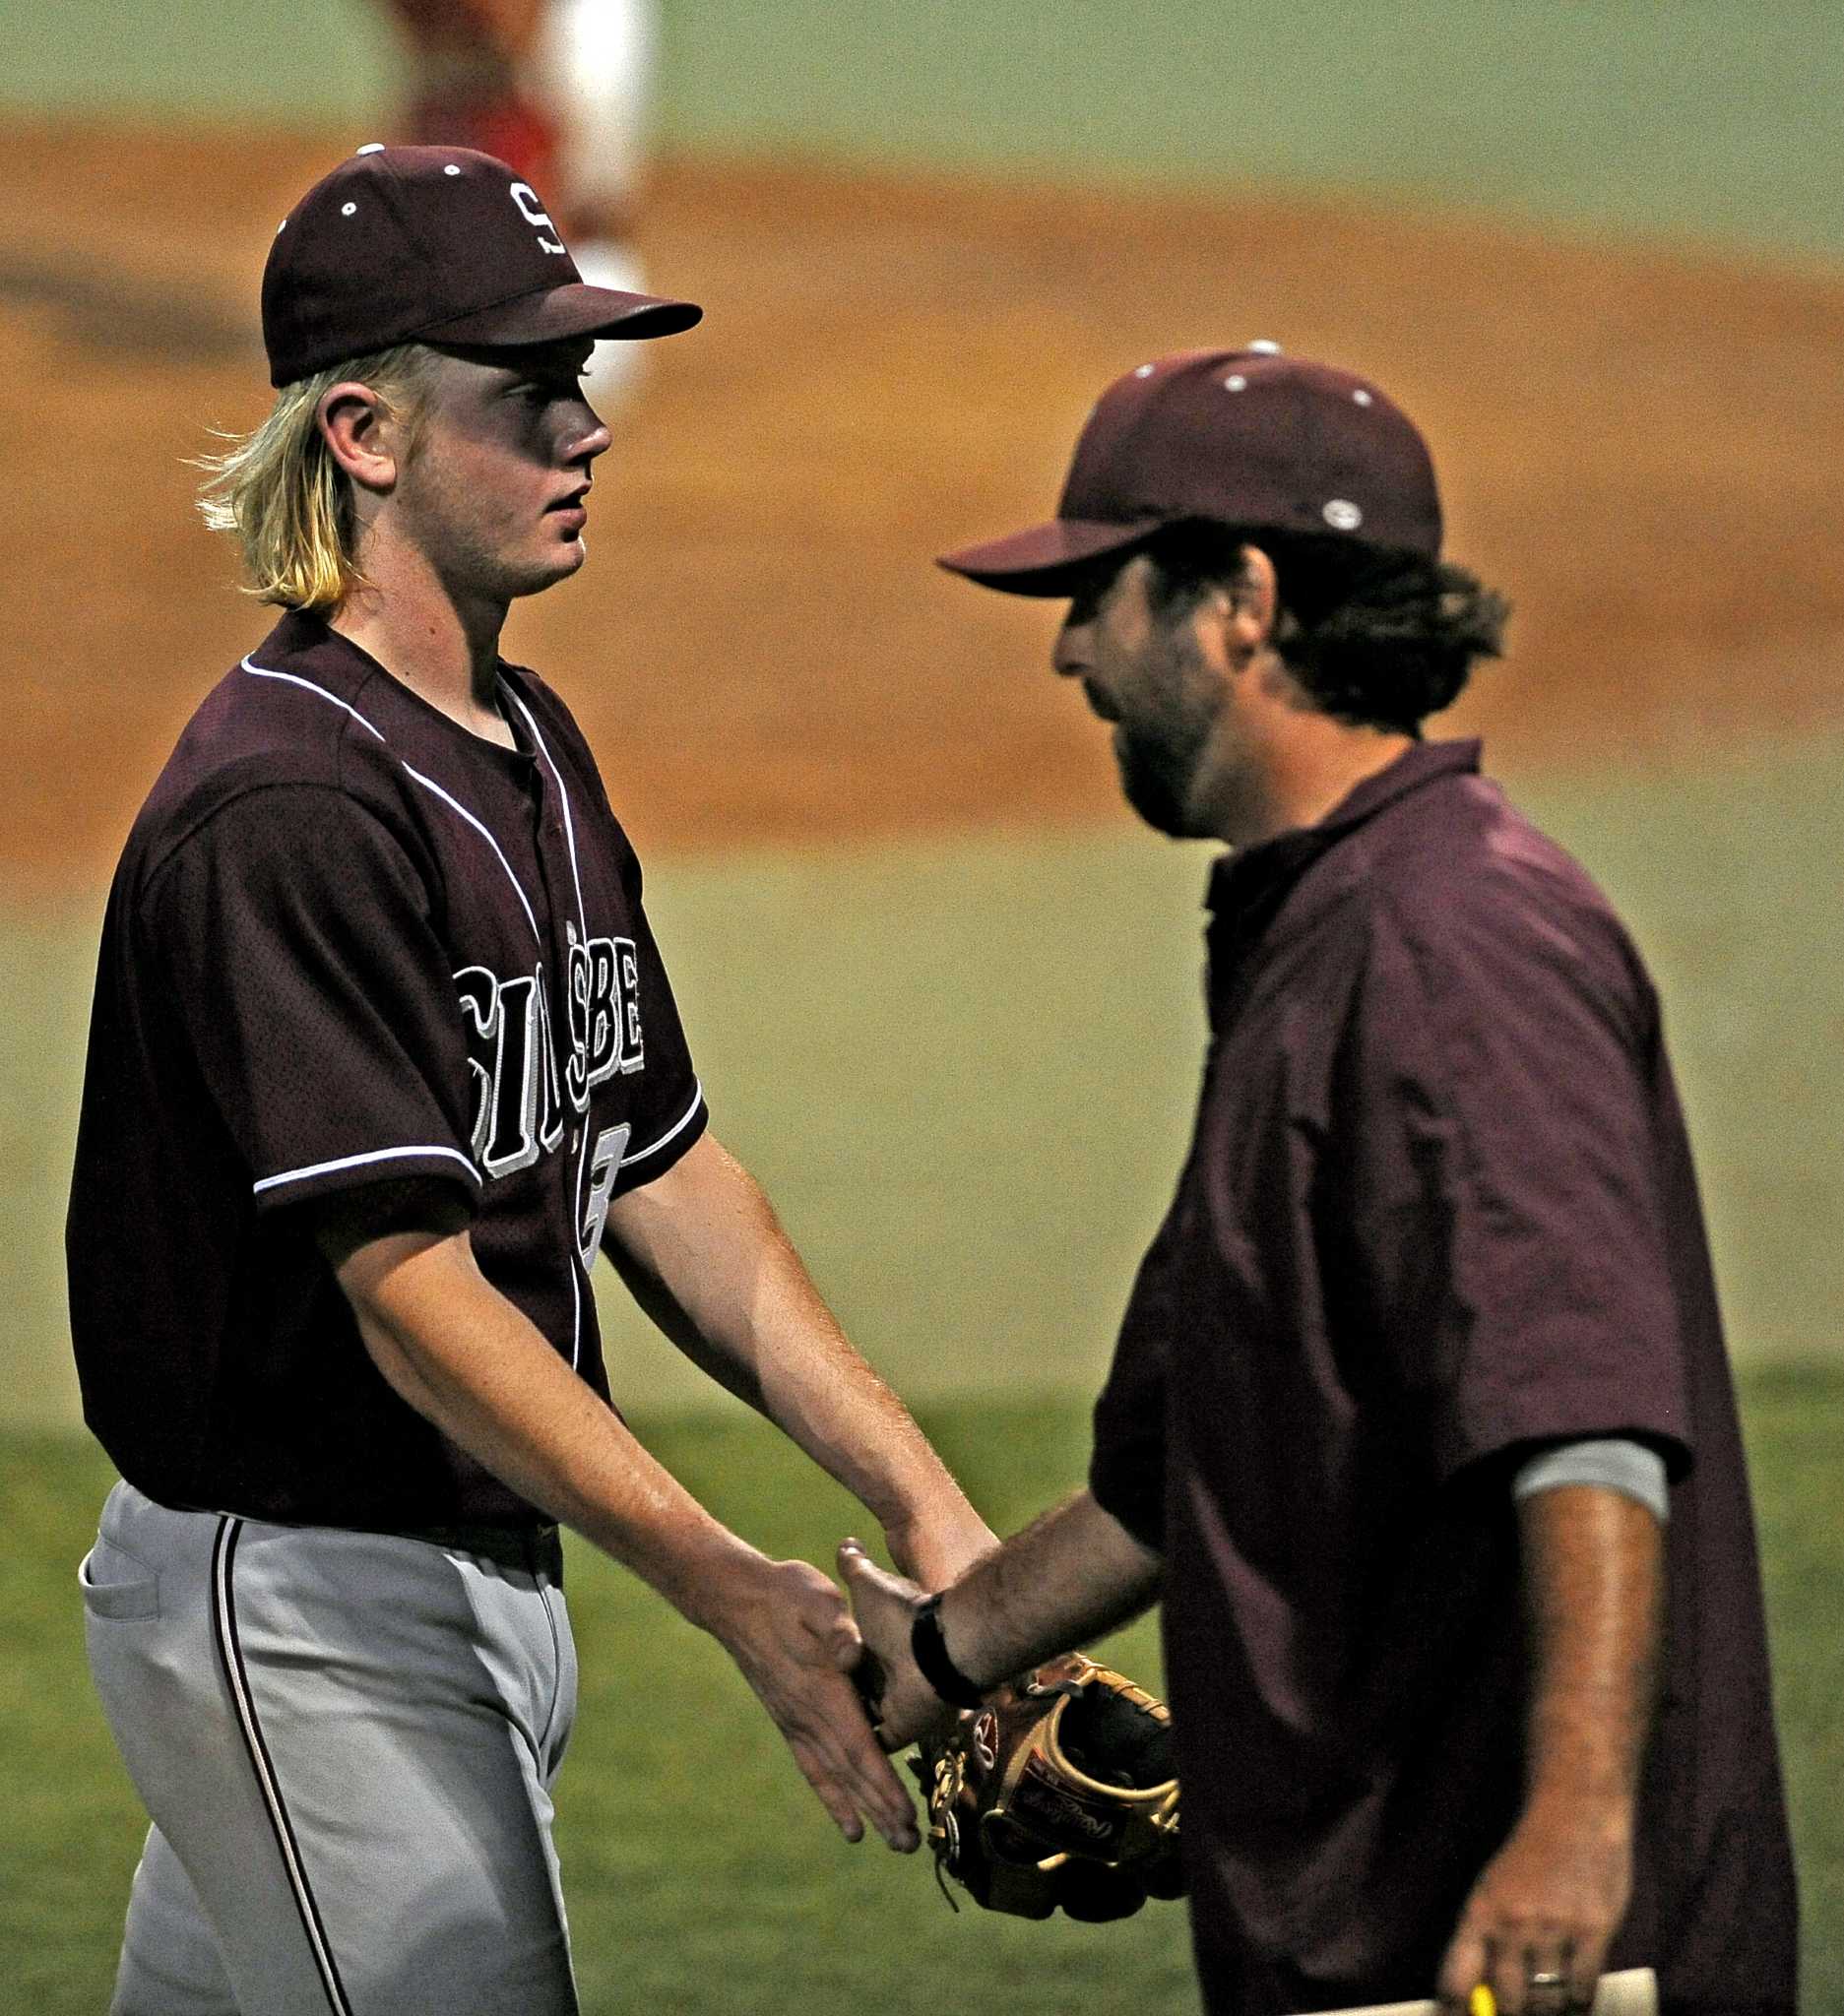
289,504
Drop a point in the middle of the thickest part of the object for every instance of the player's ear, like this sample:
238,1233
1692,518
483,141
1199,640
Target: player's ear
1234,618
359,434
1254,599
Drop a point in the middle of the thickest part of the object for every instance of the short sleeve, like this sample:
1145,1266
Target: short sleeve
293,931
1498,1160
1128,1460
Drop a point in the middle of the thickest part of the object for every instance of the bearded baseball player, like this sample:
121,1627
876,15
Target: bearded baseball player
383,1055
1420,1426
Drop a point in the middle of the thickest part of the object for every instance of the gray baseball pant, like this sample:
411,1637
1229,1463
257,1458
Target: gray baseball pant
346,1743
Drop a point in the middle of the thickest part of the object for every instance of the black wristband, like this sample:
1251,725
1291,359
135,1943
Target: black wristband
930,1651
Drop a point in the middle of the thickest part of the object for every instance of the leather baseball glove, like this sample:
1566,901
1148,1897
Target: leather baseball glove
1058,1791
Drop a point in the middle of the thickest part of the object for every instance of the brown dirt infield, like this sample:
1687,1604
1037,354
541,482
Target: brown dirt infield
1642,447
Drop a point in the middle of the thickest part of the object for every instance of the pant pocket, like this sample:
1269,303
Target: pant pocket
116,1585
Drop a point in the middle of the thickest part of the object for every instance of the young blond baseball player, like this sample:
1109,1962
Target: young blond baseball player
383,1056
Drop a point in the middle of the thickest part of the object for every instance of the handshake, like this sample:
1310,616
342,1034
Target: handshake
1056,1790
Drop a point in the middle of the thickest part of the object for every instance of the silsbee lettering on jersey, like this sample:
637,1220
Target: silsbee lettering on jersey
521,1096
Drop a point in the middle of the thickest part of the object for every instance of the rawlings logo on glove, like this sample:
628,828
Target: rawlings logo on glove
1059,1793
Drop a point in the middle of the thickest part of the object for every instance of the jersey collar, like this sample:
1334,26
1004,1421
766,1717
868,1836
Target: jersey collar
1248,886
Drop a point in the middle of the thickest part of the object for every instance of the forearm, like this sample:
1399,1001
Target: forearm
453,1347
1072,1575
1593,1582
1550,1902
706,1256
466,1359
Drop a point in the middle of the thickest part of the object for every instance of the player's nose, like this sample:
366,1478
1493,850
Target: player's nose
1070,655
597,440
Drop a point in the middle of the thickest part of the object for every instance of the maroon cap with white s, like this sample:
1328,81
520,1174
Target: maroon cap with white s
432,244
1237,437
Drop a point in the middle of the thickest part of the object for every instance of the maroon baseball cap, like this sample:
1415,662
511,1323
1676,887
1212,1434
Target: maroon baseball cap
432,244
1243,437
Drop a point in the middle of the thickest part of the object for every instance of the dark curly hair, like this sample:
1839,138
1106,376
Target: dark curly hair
1374,636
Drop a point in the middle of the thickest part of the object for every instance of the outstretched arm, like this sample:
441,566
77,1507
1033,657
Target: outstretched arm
1551,1899
1072,1575
703,1253
464,1357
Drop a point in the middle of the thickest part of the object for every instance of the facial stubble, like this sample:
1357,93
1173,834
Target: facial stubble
1160,746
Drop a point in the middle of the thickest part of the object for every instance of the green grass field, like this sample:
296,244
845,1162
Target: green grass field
701,1874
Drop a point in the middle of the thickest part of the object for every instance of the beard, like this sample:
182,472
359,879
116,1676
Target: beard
1158,762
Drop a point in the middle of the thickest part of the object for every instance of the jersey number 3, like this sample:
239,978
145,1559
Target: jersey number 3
605,1163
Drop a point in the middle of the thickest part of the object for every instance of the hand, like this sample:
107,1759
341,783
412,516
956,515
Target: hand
884,1606
792,1635
1548,1904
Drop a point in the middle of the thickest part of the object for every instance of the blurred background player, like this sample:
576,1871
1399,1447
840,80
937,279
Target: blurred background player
561,90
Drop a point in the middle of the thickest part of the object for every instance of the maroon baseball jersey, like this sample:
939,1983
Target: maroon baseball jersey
350,943
1438,1212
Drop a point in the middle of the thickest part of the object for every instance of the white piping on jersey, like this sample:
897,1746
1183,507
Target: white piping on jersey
294,679
569,824
672,1133
353,1162
569,830
576,1312
429,784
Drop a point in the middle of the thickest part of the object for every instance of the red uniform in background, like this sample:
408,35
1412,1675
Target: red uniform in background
466,87
559,89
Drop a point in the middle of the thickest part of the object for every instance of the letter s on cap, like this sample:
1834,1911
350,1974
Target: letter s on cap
532,211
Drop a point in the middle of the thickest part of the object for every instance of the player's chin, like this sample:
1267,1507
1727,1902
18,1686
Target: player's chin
557,561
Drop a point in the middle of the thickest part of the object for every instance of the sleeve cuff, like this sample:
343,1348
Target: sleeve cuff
348,1171
1616,1463
643,1166
1141,1512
